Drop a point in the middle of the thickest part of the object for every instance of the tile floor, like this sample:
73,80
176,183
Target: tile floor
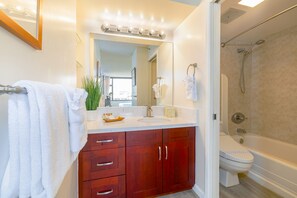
246,189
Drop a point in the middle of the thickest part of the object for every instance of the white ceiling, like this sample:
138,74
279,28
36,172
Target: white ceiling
118,48
163,15
256,15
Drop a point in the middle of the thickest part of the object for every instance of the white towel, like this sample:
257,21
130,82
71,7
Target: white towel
191,88
39,137
157,90
77,118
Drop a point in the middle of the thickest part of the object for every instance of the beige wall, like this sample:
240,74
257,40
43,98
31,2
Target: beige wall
142,77
165,70
270,102
190,46
54,64
115,65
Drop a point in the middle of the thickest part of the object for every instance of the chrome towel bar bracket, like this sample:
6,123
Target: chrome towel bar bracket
7,89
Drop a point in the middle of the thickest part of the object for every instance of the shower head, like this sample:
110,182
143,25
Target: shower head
244,51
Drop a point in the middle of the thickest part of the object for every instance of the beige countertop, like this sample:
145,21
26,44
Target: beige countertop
134,124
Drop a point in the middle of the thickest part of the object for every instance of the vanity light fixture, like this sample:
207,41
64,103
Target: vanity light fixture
19,8
133,31
250,3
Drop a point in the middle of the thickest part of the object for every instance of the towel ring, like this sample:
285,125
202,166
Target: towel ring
194,65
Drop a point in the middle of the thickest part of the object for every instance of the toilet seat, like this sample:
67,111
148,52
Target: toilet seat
231,150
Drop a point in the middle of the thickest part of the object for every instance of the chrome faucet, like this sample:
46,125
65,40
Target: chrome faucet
149,111
241,130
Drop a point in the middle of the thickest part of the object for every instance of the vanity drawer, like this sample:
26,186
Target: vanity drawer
104,188
105,141
102,163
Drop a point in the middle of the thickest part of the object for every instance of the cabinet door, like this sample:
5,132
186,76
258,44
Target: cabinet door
179,159
144,163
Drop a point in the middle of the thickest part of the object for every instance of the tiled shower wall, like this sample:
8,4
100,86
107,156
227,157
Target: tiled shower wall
270,102
237,102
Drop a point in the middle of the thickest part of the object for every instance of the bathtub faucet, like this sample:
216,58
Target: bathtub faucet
241,130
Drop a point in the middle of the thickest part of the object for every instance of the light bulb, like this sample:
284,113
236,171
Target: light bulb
19,8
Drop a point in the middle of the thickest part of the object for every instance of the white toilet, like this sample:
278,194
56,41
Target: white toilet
234,159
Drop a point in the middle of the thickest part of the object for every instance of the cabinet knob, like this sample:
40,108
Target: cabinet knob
104,141
105,193
105,164
166,153
160,153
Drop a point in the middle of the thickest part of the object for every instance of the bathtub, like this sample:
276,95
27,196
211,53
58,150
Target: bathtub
275,164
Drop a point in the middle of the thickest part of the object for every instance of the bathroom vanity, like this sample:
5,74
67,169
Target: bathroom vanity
152,160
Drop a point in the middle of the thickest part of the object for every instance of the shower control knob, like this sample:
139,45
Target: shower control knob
238,118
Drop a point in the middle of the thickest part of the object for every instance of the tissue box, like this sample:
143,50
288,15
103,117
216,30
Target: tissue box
169,112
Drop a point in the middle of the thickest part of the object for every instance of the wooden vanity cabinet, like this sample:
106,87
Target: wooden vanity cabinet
137,163
160,161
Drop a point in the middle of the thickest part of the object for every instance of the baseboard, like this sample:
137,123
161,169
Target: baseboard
267,183
198,191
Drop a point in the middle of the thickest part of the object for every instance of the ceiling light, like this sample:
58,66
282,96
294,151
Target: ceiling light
133,31
2,5
250,3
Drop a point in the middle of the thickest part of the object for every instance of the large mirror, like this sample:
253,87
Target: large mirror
23,19
134,72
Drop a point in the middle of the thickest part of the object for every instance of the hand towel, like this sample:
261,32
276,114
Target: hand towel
157,90
191,88
77,118
39,135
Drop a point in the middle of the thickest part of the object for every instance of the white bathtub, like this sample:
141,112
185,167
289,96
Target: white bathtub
275,164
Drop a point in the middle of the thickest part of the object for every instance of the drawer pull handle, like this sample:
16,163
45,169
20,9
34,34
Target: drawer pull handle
104,141
105,193
166,152
160,153
105,164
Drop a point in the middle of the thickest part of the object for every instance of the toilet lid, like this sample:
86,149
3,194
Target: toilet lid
232,150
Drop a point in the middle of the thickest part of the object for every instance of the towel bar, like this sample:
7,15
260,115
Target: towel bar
7,89
194,65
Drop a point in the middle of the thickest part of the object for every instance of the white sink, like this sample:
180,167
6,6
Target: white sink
153,119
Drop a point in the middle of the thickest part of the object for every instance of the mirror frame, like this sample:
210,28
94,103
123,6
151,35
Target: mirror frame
13,27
